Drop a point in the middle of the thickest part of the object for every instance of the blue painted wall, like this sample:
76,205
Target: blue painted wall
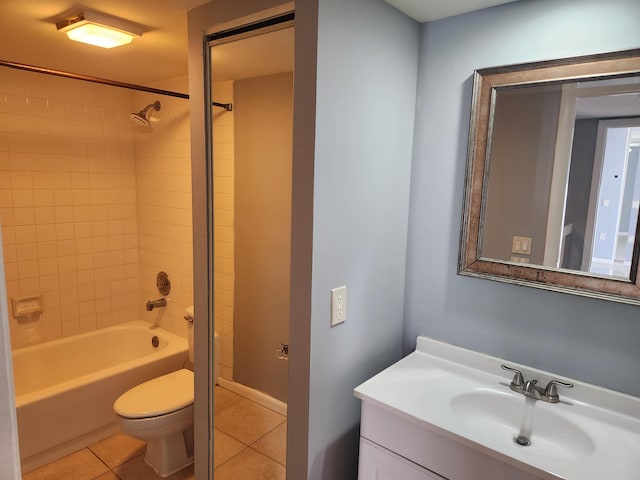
586,339
367,68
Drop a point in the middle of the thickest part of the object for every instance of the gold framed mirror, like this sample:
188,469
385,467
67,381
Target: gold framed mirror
552,190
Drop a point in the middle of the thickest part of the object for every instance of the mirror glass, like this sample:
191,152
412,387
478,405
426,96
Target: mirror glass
251,118
599,194
553,177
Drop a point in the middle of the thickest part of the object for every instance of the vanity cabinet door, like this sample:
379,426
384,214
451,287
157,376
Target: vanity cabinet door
377,463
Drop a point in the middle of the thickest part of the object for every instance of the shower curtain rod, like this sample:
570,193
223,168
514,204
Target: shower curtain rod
227,106
104,81
87,78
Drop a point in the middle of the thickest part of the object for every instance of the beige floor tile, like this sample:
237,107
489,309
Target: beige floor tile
239,422
118,449
247,421
81,465
250,465
108,476
184,474
223,398
274,444
137,469
224,447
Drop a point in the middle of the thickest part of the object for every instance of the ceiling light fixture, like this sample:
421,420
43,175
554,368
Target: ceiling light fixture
99,29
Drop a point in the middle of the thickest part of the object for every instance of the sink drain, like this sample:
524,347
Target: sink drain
522,440
155,341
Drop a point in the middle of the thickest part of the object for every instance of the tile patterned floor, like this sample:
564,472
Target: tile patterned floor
249,443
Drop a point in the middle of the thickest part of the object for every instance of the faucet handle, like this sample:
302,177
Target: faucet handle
530,386
551,391
518,379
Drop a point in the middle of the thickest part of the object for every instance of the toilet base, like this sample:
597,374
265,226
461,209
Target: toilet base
169,454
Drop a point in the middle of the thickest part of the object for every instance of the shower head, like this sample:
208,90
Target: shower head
141,118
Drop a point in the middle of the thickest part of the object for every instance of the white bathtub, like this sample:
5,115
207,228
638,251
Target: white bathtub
65,389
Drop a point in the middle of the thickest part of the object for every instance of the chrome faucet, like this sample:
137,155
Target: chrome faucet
530,388
151,304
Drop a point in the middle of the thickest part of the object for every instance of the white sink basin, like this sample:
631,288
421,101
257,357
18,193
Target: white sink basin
464,396
501,413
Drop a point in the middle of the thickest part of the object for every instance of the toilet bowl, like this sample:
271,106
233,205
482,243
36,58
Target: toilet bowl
160,412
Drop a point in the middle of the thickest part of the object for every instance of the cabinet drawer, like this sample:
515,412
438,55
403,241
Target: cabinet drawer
377,463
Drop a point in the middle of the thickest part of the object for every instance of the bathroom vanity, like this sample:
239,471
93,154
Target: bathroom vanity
444,412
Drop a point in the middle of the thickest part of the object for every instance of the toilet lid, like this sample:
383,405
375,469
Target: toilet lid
158,396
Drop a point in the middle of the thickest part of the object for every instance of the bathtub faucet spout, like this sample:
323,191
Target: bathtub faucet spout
161,302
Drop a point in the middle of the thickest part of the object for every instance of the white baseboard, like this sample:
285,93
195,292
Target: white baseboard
257,396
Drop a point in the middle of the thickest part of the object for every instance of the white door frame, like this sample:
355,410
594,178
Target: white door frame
9,447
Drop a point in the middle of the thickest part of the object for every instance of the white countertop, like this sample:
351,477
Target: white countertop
592,433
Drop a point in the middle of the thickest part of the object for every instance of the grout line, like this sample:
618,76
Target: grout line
232,456
267,433
267,456
101,461
232,437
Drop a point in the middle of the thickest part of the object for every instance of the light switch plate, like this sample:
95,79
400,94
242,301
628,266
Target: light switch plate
521,245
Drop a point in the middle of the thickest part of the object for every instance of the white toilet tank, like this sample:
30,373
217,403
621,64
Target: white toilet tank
216,345
189,314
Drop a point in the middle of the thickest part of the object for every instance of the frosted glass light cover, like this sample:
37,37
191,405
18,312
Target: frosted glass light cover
99,36
99,29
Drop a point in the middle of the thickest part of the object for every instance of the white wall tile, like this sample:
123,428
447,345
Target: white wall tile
164,243
56,218
223,151
92,208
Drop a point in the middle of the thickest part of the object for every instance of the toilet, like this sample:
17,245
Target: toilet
160,412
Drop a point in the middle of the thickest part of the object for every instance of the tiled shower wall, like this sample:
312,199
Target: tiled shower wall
68,204
223,152
163,179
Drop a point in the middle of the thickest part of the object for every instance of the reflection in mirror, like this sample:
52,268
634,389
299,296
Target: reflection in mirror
252,162
595,230
612,212
553,180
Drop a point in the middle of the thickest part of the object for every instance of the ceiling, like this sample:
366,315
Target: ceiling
28,35
259,55
429,10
